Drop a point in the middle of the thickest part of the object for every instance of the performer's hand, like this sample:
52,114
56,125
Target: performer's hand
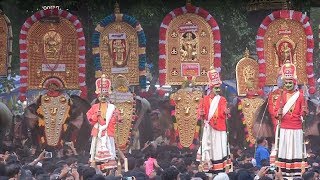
98,113
279,115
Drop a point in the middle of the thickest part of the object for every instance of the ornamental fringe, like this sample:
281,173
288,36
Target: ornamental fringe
24,53
141,40
196,139
163,30
296,16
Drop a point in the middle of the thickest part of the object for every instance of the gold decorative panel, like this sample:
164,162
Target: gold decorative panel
53,51
247,72
189,49
119,51
186,114
125,104
249,109
4,37
285,40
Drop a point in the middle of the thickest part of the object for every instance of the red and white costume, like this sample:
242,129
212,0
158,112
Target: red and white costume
291,146
103,131
214,150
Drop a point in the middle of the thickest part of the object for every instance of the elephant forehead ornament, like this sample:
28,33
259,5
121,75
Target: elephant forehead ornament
54,109
124,100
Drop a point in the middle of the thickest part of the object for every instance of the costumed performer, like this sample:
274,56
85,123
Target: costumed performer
213,109
103,116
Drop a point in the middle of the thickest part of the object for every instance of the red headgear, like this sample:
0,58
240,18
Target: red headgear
213,77
53,85
288,72
103,85
52,80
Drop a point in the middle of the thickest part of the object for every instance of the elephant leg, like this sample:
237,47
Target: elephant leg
2,134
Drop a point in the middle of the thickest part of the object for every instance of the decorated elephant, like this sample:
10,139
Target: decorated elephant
56,118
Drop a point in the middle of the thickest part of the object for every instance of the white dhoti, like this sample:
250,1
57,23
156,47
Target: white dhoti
291,152
213,151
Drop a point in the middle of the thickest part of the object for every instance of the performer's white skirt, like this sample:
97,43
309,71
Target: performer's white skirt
291,151
103,150
214,149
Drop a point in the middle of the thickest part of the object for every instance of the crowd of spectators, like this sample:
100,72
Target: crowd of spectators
162,162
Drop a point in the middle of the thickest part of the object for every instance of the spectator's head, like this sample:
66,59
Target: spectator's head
67,151
190,165
13,170
170,173
38,170
244,175
61,164
201,175
131,163
247,158
265,162
12,159
184,176
232,175
97,177
309,176
262,141
221,176
43,177
140,164
26,174
88,172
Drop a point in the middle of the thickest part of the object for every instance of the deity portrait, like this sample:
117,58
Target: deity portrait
249,77
284,51
119,52
189,46
52,45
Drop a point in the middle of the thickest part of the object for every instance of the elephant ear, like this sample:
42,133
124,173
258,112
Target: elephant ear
312,119
6,116
235,125
263,126
78,106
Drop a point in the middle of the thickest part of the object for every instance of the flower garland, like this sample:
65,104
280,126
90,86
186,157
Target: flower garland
134,117
296,16
246,131
142,41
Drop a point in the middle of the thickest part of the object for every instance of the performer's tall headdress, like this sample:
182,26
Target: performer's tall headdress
103,86
289,72
214,78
